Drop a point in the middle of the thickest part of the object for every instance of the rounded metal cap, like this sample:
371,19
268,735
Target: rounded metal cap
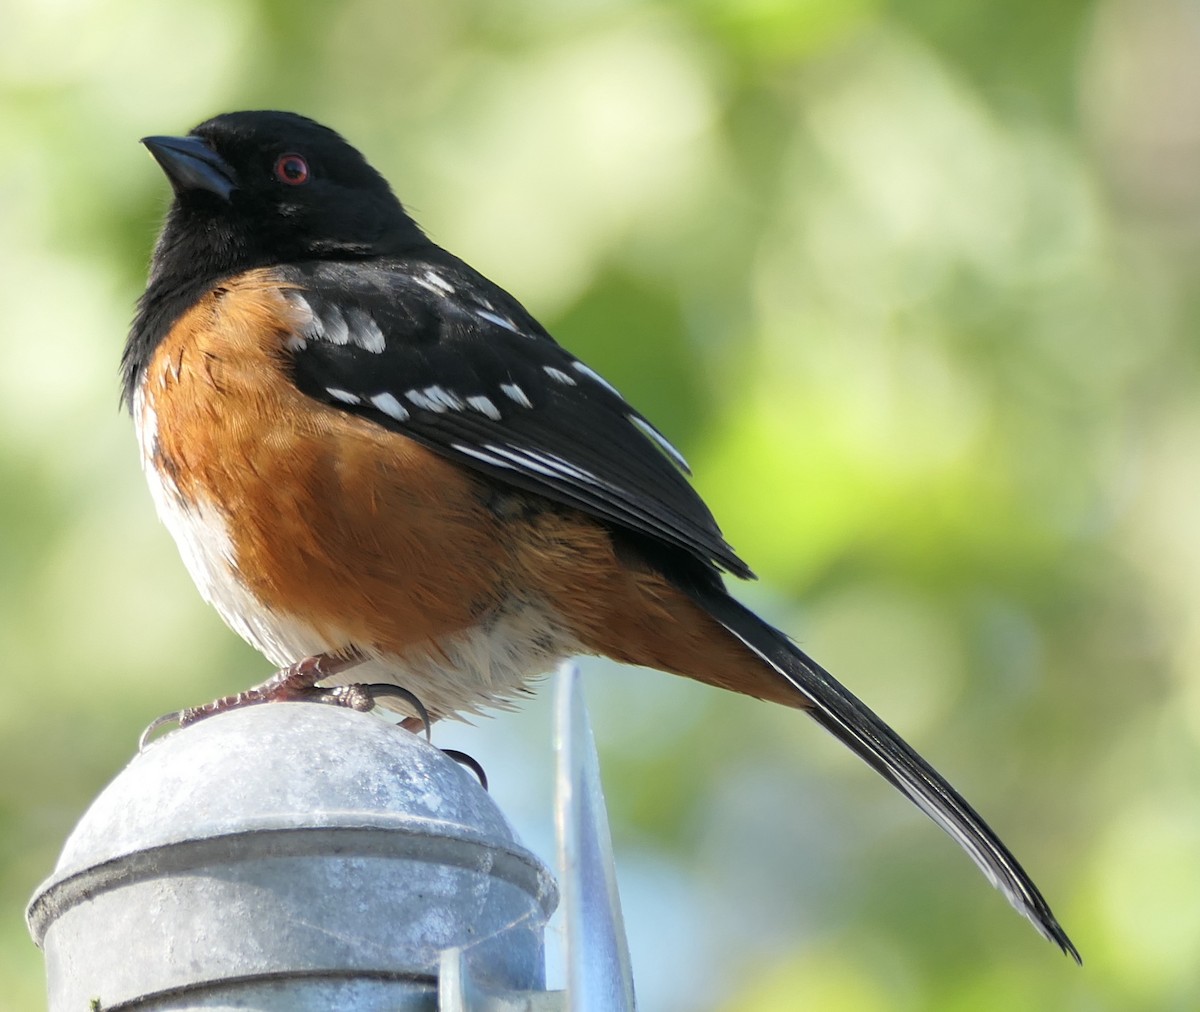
265,856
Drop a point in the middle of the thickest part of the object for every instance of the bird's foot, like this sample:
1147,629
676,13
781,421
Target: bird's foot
298,683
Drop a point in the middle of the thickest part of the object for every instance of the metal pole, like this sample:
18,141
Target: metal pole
599,976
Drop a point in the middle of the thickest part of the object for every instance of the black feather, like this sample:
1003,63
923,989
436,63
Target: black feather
854,724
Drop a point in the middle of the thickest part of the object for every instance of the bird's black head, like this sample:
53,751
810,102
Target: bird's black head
257,188
253,189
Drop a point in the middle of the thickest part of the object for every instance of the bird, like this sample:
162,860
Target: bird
381,470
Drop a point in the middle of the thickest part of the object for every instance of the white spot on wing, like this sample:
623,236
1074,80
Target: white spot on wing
421,401
661,442
296,299
436,279
390,406
515,393
562,466
343,395
436,399
298,302
478,454
522,459
336,329
365,332
594,376
310,326
498,320
355,325
566,379
484,406
434,282
443,396
542,463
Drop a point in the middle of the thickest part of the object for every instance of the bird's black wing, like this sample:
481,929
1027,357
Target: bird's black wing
431,349
428,347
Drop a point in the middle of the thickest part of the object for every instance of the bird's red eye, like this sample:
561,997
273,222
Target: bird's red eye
291,169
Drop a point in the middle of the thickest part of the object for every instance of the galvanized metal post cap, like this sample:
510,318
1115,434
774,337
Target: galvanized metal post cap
290,845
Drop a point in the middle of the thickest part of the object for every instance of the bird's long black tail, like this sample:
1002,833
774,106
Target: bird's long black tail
850,721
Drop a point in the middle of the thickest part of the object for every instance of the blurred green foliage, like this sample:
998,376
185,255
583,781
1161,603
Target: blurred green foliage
913,284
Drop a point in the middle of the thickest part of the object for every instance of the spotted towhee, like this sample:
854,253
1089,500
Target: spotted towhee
379,468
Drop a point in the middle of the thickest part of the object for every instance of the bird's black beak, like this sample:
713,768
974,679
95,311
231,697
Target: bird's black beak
190,164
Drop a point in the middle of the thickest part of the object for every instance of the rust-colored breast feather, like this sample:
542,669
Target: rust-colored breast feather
364,534
375,541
